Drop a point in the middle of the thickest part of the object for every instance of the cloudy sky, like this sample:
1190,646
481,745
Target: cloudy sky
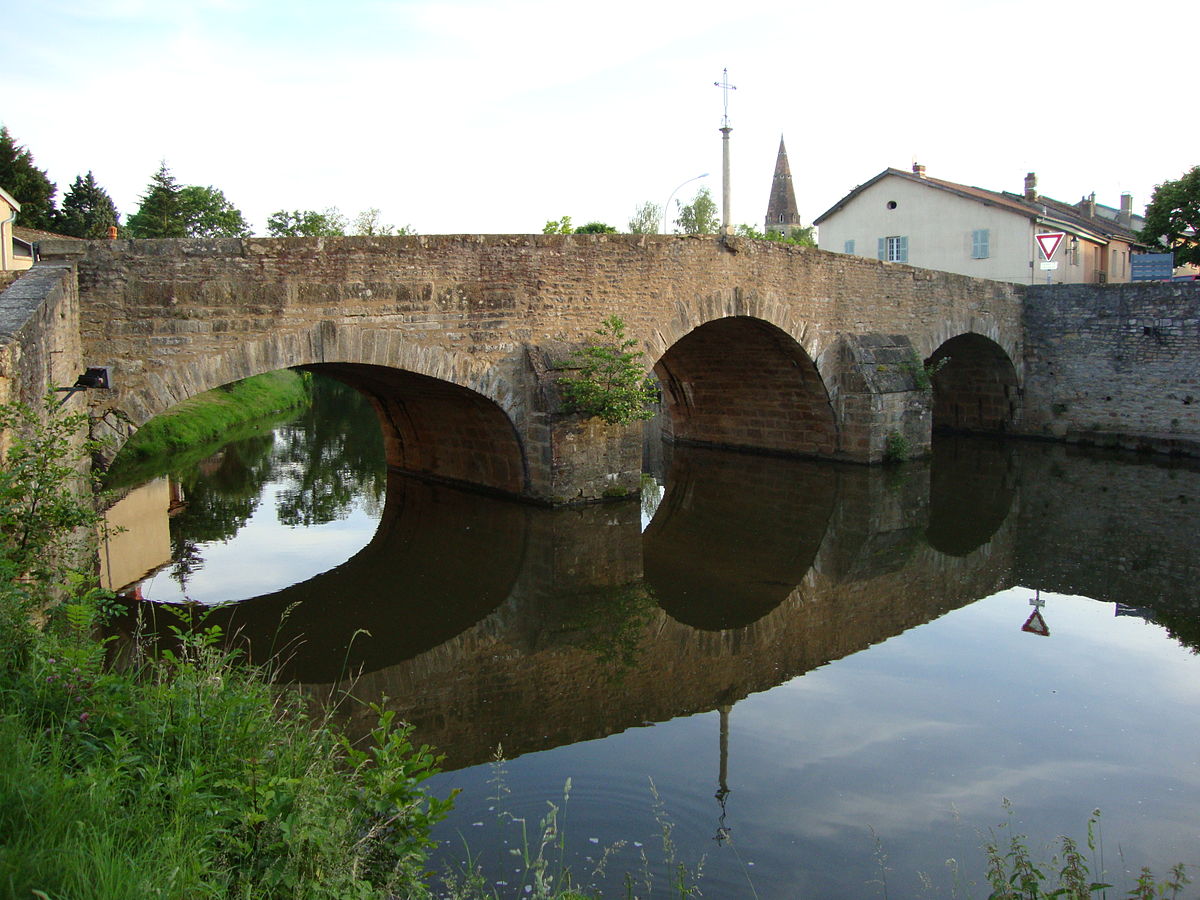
476,116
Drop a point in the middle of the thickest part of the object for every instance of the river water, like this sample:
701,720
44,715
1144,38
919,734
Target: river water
819,680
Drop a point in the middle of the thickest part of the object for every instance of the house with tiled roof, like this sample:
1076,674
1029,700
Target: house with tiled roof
16,253
910,217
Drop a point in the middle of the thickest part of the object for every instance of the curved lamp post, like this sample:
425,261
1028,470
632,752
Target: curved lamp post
667,208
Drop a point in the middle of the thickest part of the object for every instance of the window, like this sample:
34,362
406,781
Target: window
894,249
979,243
848,247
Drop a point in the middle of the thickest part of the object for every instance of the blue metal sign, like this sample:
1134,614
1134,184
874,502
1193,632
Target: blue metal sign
1151,266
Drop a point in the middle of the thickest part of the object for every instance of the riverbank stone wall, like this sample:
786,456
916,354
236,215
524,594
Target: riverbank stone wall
1114,365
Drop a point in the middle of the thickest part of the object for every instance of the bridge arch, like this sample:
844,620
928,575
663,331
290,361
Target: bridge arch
443,415
975,386
745,376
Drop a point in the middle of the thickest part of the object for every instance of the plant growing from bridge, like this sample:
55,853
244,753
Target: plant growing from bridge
922,372
610,382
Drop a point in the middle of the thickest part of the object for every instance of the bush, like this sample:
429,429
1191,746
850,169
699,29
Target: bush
610,382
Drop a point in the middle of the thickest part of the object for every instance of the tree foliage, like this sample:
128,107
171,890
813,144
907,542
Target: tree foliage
169,210
1173,218
306,223
559,226
610,382
207,213
87,210
699,216
802,237
159,215
595,228
369,222
27,184
646,219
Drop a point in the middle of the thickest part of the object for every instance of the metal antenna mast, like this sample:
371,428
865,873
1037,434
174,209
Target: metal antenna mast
725,87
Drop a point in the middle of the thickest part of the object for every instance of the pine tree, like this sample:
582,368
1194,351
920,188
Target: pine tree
161,212
27,184
87,210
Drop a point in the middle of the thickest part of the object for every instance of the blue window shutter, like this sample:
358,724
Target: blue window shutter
848,247
883,248
903,250
979,243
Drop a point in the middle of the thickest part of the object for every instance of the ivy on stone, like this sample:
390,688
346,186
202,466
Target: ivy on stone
610,382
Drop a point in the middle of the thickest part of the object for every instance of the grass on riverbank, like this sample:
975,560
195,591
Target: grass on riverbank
213,414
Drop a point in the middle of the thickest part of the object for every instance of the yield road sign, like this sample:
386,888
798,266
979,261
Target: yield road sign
1049,242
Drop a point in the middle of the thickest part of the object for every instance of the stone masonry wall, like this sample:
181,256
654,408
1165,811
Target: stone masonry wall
1114,365
39,334
174,318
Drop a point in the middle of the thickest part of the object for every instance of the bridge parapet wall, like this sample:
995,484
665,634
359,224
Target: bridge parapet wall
39,334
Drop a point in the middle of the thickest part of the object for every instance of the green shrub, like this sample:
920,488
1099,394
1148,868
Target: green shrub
610,382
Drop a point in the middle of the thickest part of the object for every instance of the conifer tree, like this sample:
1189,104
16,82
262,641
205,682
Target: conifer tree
87,210
160,214
27,184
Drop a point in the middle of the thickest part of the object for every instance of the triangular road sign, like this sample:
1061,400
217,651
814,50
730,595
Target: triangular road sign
1035,624
1049,242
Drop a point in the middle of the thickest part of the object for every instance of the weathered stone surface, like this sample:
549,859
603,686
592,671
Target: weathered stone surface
1115,365
773,347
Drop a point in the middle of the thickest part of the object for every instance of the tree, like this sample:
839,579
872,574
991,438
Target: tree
208,214
171,211
699,216
367,223
610,382
160,214
306,223
1173,218
87,210
595,228
645,219
559,226
27,184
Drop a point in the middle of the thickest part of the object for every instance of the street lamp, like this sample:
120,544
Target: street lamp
667,208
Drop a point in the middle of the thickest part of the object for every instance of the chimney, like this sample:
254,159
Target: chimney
1091,205
918,170
1125,217
1031,186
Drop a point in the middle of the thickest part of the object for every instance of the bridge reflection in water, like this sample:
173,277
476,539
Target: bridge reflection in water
488,622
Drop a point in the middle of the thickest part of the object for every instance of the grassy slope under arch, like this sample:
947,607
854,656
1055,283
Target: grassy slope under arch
211,415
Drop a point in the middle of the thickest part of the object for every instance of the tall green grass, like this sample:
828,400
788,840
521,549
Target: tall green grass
211,415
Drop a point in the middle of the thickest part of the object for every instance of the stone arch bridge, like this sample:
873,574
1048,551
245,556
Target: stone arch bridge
460,342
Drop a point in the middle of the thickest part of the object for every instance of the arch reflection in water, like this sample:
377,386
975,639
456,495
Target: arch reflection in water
441,559
735,533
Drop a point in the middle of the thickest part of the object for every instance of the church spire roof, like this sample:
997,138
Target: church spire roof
782,213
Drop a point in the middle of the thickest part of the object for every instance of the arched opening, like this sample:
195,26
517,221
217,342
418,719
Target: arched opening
439,430
742,383
974,386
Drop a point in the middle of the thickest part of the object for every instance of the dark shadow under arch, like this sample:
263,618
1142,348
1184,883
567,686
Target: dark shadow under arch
742,383
975,389
439,430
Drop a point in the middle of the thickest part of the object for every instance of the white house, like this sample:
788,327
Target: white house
911,218
15,253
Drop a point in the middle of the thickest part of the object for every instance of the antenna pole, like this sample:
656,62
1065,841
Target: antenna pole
726,87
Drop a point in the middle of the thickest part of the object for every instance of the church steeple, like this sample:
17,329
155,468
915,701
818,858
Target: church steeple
782,214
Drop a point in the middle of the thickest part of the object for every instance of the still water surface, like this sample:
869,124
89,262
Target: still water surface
820,671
